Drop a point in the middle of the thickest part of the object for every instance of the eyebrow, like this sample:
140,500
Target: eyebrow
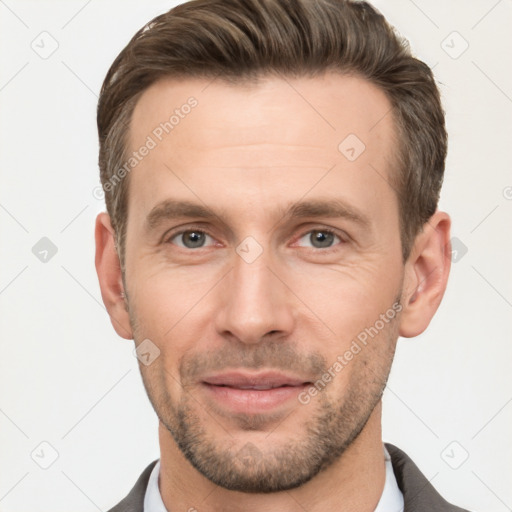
171,209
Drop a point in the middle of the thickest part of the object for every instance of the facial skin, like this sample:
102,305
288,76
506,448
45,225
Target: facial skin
248,153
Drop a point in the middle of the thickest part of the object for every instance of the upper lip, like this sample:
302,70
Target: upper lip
263,380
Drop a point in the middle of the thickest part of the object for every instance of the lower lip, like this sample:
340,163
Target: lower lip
253,400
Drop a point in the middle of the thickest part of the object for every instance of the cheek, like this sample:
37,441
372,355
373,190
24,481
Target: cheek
359,345
362,366
162,296
348,299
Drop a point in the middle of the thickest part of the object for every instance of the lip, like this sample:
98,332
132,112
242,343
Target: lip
252,393
269,379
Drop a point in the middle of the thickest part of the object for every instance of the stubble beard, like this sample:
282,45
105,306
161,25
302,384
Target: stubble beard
255,467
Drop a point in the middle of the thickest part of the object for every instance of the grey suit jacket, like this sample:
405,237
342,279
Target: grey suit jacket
419,494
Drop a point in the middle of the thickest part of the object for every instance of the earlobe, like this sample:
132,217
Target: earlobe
108,269
426,275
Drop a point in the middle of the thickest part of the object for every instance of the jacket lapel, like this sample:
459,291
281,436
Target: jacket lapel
419,494
134,502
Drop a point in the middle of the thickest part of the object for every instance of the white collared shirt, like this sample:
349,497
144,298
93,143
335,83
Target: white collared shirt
153,499
391,499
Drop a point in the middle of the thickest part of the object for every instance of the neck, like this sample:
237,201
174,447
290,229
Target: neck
352,483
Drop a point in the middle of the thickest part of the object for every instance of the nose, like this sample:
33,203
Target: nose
254,301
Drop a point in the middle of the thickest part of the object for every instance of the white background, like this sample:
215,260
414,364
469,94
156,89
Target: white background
68,380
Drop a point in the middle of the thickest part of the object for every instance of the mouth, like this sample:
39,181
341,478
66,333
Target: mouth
253,393
266,380
256,387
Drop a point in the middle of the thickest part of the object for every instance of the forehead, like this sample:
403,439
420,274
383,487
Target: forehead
261,140
327,106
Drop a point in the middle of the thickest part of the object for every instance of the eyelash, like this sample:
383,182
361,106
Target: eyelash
329,231
343,237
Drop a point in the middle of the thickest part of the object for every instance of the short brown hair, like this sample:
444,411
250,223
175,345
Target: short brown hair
240,40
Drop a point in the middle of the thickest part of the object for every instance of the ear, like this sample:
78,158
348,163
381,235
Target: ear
108,268
426,275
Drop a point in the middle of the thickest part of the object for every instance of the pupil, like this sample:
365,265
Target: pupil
194,238
324,239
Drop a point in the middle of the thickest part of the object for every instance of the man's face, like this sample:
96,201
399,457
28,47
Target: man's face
259,288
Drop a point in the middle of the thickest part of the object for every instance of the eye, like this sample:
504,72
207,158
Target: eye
320,238
190,239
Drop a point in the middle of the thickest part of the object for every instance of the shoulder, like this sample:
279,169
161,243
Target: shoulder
134,501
